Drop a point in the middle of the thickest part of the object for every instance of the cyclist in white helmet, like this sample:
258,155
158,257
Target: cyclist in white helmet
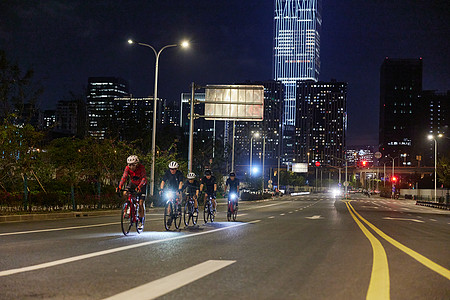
138,180
192,187
173,179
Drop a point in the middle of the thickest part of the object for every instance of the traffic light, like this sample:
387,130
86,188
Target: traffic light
394,179
364,163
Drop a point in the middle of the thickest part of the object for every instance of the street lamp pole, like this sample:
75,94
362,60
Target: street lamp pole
264,154
431,137
255,135
155,98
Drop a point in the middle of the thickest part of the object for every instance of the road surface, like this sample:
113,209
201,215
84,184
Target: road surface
302,247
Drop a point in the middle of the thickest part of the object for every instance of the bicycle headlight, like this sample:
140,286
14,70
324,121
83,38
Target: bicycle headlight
170,195
233,196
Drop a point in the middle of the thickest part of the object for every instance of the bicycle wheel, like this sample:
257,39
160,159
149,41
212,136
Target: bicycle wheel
177,216
235,210
125,219
168,215
194,215
211,214
137,218
206,213
186,215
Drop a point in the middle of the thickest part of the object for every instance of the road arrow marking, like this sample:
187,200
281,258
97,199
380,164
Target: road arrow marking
172,282
314,217
403,219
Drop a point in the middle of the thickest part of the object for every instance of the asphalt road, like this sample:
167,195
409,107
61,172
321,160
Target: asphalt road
303,247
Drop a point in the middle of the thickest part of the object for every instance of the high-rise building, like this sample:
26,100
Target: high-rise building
100,103
297,26
48,119
321,122
70,118
400,89
432,117
269,128
132,117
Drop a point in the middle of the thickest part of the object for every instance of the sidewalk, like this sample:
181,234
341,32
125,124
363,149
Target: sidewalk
57,215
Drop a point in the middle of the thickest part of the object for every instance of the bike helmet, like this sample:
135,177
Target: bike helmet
208,172
232,174
132,159
191,176
173,165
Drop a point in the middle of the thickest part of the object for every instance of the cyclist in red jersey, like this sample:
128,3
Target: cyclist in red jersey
138,180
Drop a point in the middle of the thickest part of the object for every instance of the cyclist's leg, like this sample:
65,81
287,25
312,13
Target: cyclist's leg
195,203
141,208
204,199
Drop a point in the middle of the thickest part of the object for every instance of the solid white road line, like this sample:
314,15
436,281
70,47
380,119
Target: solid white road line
172,282
109,251
403,219
58,229
262,206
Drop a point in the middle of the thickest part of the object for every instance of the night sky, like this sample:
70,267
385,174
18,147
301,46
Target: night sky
66,42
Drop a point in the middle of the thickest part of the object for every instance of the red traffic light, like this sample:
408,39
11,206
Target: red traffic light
364,163
317,164
394,179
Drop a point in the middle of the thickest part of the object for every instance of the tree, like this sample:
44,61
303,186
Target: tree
16,88
443,171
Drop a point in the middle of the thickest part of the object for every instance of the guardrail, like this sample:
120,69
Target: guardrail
445,206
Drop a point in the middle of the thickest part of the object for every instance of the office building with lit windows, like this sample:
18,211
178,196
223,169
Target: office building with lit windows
100,103
297,26
321,122
400,90
269,128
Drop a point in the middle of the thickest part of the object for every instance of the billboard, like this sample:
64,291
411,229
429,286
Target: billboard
234,102
300,168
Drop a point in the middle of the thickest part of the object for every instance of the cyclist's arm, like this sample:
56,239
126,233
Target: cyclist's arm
124,178
215,187
143,179
161,187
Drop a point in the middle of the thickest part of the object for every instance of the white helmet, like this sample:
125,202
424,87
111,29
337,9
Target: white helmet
132,159
173,165
191,176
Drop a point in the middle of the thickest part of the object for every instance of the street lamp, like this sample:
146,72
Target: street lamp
431,137
184,44
255,135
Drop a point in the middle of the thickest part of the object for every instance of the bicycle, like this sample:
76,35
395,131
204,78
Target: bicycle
172,210
232,207
208,211
189,211
130,212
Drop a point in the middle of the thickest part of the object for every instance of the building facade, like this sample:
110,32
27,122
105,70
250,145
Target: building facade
296,55
321,122
269,129
100,103
400,90
70,118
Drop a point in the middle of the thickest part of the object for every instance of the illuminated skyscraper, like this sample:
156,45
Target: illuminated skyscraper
297,26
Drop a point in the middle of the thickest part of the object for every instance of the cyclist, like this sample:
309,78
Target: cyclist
173,179
233,184
136,172
192,188
208,182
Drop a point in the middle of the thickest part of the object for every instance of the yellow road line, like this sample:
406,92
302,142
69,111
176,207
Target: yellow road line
379,285
419,257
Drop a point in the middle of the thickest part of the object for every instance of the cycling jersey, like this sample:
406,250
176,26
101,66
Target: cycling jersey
209,184
172,181
137,176
233,184
191,188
